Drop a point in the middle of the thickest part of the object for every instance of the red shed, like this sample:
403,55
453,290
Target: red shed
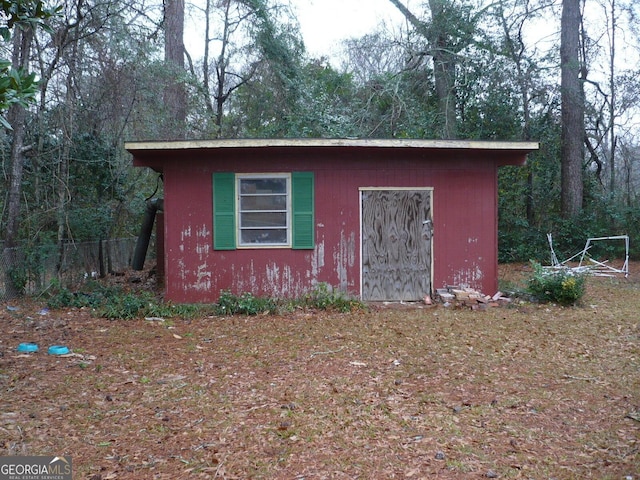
379,219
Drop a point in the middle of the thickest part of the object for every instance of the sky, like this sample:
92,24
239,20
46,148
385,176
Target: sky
324,23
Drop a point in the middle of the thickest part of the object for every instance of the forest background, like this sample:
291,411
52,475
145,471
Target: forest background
83,76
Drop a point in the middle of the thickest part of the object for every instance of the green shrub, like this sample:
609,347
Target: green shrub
562,286
117,303
59,296
92,295
324,297
227,303
251,305
246,304
124,306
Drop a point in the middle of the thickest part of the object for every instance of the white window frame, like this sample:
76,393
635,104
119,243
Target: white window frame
239,211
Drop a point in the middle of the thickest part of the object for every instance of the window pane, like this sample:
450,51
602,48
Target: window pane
263,202
263,210
278,236
263,219
263,185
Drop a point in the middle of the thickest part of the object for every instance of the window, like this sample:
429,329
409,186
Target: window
263,210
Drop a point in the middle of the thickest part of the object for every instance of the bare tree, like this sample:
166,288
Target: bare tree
230,66
241,37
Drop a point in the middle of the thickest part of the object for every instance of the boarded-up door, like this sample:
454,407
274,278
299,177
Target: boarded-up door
396,244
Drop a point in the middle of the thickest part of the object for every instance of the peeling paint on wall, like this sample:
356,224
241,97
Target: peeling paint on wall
186,233
468,277
273,279
287,282
273,275
317,259
344,258
203,232
197,276
182,270
203,237
203,279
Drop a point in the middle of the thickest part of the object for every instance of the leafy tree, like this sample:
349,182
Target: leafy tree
18,86
450,30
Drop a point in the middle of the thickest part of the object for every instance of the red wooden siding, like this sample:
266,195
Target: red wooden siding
464,216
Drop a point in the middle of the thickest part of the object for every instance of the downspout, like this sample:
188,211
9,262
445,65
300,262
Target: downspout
140,253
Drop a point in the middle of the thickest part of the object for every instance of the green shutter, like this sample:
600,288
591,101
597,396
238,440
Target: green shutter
302,205
224,211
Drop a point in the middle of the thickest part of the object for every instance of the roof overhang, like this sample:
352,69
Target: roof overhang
329,143
147,153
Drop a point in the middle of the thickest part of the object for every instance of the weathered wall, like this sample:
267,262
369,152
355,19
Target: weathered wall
464,216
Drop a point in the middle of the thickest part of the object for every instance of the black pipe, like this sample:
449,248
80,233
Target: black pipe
140,253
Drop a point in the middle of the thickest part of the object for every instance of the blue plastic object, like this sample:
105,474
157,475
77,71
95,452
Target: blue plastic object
58,350
28,347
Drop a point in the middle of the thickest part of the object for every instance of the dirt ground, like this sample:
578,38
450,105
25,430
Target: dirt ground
399,391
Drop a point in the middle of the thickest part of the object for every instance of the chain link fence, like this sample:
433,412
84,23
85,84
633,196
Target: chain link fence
70,265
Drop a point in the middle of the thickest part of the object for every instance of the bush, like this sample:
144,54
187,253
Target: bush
92,295
118,303
125,306
246,304
562,286
324,297
115,302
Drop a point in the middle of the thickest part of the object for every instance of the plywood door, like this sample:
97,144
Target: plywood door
396,244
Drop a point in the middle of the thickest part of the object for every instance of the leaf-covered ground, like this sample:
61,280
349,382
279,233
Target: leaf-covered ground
525,391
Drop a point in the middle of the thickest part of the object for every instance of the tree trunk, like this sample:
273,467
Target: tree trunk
444,68
206,88
572,98
175,95
612,102
221,71
17,117
444,61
